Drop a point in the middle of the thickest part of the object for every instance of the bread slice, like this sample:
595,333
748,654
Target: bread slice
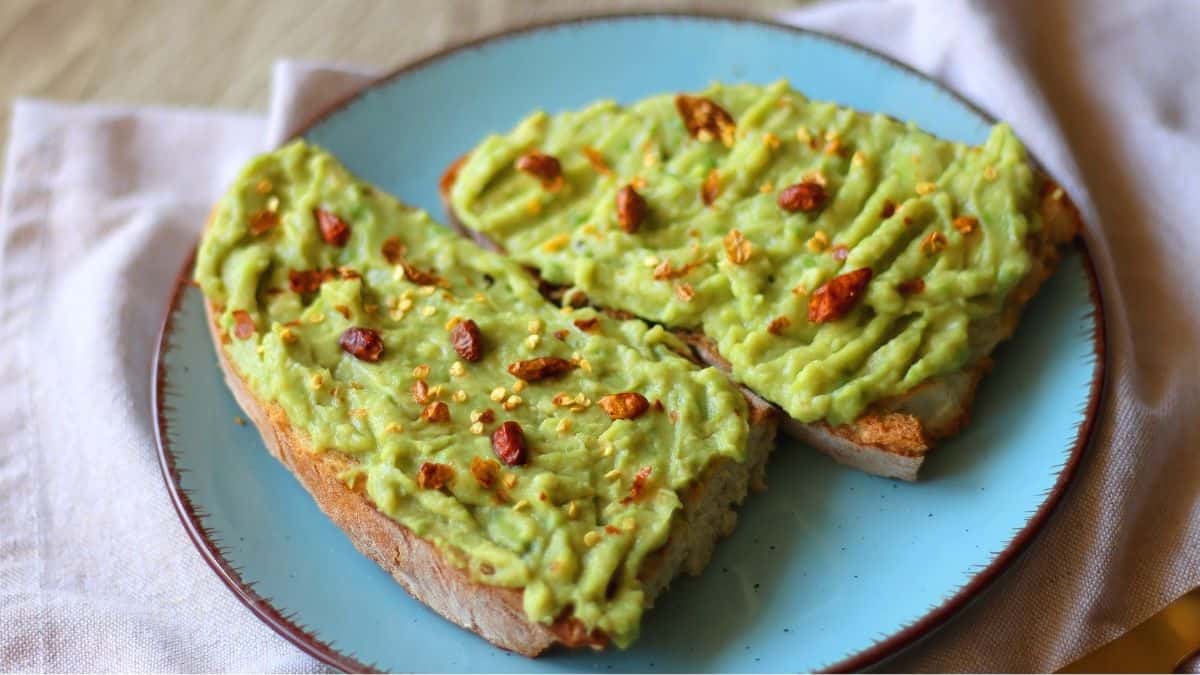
422,566
492,612
893,436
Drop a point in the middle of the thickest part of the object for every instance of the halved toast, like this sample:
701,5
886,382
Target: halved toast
243,268
563,208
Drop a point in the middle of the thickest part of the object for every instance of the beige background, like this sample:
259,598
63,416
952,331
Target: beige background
219,53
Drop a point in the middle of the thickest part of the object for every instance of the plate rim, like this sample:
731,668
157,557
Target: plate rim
878,651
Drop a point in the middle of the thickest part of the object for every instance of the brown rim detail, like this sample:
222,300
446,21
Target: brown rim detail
876,653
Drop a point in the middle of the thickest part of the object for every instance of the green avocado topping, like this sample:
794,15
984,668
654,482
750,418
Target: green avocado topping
749,209
298,252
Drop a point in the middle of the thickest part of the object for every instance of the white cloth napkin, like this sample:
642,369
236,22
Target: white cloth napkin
101,204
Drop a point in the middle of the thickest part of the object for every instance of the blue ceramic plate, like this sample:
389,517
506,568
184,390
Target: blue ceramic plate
828,569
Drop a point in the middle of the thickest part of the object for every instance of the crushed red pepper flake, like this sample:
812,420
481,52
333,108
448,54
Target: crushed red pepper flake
305,281
540,368
836,297
420,392
466,340
806,196
508,442
243,325
597,160
705,120
667,270
587,325
334,230
546,168
393,250
434,476
263,221
710,189
933,243
631,209
437,411
737,248
778,325
626,405
912,286
364,344
965,224
419,277
641,480
485,471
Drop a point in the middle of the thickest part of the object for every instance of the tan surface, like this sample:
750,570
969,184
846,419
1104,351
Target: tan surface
219,53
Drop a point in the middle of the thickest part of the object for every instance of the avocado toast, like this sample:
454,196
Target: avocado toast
851,269
534,474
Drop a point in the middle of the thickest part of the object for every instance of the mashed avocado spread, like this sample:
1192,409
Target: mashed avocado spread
749,213
349,310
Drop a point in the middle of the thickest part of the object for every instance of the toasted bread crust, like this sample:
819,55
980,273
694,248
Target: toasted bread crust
892,438
493,612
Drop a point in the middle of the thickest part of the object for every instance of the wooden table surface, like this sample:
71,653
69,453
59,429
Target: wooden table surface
219,53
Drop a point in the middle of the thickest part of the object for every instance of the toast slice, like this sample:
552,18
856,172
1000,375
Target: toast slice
725,216
562,537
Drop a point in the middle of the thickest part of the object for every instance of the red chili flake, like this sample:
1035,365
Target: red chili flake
485,471
334,230
532,370
631,209
705,120
437,411
420,392
912,286
243,325
806,196
419,277
638,487
508,442
263,221
710,189
597,160
838,296
434,476
466,340
305,281
393,250
362,343
626,405
546,168
778,325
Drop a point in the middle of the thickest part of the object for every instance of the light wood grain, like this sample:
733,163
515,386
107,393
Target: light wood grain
219,53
